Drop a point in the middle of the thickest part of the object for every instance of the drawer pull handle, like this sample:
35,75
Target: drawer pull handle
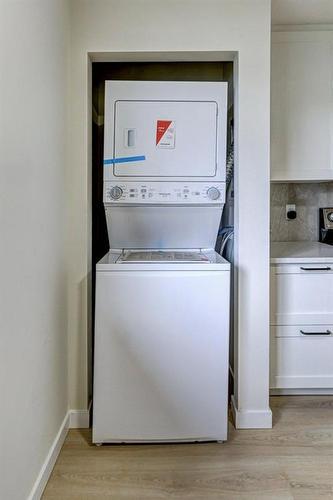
328,332
316,268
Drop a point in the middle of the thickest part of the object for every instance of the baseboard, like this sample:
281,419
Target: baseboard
301,392
251,419
74,419
79,419
50,461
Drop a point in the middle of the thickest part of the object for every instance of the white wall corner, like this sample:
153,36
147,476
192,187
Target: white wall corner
47,467
79,419
74,419
251,419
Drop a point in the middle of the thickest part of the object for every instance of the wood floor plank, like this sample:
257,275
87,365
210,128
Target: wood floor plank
292,461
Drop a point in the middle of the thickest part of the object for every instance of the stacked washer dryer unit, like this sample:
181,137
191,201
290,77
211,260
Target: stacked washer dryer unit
162,292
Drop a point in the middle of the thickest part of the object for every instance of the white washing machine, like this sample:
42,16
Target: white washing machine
162,292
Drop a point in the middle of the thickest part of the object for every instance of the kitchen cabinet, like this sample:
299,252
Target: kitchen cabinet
301,106
301,328
302,294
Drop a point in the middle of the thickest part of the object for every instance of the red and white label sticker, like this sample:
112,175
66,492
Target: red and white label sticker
165,134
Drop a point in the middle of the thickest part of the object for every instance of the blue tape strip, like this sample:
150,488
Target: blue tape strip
124,159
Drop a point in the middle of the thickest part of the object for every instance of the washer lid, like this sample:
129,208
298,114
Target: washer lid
162,227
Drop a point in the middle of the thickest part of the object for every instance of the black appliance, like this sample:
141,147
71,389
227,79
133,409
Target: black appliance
326,225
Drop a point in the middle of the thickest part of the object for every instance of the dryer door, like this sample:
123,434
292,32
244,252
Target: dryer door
168,138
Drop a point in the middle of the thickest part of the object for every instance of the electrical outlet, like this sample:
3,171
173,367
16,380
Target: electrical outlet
291,213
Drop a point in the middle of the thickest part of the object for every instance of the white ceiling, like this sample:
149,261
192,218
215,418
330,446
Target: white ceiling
302,11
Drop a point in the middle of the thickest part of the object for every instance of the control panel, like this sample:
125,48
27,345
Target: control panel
164,193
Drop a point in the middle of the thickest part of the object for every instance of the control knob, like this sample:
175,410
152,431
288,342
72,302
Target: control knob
213,193
115,192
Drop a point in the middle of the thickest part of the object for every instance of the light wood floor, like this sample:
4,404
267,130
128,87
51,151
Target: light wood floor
294,460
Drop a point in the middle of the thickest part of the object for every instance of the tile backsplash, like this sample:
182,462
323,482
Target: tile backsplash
308,198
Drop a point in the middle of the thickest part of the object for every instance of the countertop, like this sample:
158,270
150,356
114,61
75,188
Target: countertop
290,252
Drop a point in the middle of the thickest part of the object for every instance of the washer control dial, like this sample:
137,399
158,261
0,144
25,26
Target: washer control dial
115,192
213,193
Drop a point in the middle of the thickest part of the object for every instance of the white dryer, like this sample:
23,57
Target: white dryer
162,292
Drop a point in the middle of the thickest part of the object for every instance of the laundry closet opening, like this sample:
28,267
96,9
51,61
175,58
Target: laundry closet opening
207,71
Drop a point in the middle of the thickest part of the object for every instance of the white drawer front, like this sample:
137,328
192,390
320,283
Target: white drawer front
301,363
302,331
301,298
326,268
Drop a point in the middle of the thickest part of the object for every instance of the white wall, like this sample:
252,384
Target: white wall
33,278
134,26
302,12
